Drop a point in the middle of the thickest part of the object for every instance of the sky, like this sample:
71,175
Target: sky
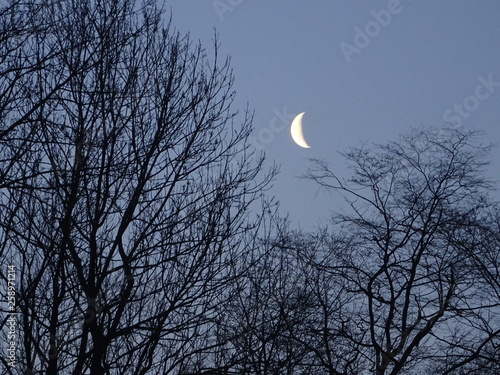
362,71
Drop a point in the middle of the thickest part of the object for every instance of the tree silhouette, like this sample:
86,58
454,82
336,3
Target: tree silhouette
404,281
271,300
132,212
419,254
126,188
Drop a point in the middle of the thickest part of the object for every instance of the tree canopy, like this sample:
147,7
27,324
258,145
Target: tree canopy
135,222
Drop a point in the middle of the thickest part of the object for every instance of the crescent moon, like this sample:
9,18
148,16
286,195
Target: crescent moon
296,131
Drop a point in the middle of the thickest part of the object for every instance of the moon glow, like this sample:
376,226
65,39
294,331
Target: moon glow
296,131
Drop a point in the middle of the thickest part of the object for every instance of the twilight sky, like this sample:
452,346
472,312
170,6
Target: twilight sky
361,70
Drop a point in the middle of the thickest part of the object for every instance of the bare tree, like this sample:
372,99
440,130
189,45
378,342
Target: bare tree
271,300
128,194
404,282
27,50
422,278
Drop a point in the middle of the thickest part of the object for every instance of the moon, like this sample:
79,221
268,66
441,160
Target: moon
296,130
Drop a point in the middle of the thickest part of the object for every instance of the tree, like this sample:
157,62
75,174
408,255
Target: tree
404,282
27,49
126,188
419,257
271,300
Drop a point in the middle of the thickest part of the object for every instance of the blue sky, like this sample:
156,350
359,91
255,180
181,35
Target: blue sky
361,70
